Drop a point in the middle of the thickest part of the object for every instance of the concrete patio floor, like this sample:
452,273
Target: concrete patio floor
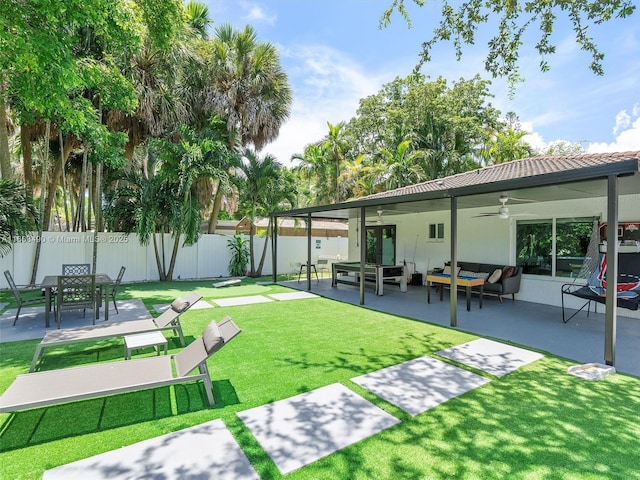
525,323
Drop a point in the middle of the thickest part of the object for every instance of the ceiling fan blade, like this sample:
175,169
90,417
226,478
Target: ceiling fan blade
524,200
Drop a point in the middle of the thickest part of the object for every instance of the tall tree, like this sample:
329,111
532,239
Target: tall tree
256,177
334,150
248,87
165,198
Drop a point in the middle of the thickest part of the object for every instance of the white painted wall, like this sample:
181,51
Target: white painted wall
208,258
492,240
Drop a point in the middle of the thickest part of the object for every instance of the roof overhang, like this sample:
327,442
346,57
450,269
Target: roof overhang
569,183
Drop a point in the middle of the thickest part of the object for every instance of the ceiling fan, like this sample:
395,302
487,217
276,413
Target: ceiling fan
378,220
503,211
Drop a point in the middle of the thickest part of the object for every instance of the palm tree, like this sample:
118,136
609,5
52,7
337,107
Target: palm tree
335,148
258,178
16,214
165,198
403,167
248,87
506,146
315,170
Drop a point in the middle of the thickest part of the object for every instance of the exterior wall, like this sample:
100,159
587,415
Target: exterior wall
492,240
208,258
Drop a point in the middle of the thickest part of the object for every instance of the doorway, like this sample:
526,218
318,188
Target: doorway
381,245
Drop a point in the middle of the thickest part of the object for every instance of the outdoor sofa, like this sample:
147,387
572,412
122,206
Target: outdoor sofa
499,280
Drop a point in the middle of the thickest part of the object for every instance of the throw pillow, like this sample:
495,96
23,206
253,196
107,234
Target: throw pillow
495,276
212,338
507,272
447,270
179,305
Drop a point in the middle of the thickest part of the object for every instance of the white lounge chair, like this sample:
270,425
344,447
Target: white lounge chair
40,389
168,320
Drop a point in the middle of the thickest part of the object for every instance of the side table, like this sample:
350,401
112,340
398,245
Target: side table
144,340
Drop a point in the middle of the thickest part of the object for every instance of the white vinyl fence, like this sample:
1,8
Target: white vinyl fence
208,258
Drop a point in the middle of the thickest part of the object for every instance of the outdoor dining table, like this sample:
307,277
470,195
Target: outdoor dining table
103,281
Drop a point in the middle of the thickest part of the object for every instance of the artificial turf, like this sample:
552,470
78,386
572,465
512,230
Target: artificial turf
536,423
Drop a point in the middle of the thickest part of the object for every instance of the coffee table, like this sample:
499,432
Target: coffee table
445,279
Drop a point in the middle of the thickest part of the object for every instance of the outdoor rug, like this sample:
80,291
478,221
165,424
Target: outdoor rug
492,357
302,429
200,304
235,301
292,296
206,451
420,384
30,325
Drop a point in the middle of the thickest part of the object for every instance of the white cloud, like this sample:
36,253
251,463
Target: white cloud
623,120
328,86
627,140
257,14
533,138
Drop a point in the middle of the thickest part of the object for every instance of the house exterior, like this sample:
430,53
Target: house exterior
465,217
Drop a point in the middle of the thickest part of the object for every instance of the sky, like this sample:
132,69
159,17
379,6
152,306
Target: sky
335,54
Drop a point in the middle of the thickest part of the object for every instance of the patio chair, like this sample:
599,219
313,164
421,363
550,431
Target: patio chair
168,320
323,266
51,387
76,269
75,292
114,288
34,297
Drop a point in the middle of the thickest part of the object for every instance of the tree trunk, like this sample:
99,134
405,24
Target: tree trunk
6,171
36,258
251,255
174,256
64,185
264,250
52,185
95,233
157,255
27,160
215,212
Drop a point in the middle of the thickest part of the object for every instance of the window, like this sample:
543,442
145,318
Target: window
540,253
436,232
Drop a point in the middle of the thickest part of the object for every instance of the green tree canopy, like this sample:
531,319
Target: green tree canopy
460,22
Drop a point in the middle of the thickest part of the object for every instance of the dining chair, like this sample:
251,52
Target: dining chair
115,286
75,292
76,269
33,297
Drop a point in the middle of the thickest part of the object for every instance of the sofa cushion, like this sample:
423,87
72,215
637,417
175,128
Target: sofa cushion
468,273
508,272
495,276
447,270
469,266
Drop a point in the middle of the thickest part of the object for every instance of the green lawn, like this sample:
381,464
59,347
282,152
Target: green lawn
536,423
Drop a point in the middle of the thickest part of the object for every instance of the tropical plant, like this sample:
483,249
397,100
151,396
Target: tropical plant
260,179
239,255
165,200
16,214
